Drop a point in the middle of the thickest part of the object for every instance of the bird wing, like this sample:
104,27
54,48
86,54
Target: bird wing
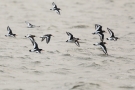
35,45
98,27
77,43
70,35
32,40
54,5
48,39
9,30
42,38
111,32
27,22
104,48
101,35
57,11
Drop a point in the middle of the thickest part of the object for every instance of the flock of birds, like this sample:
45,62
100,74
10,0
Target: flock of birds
100,32
71,39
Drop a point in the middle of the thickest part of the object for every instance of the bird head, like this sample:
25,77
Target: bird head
59,9
78,39
104,31
41,50
15,35
104,43
51,35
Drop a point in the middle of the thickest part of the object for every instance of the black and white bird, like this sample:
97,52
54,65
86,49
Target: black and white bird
47,37
10,32
31,37
55,8
112,35
73,39
98,29
36,49
103,47
29,25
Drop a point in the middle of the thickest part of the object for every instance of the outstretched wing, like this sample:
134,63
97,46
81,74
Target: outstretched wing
9,30
54,5
104,48
57,11
42,38
27,22
101,35
70,35
98,27
35,45
48,39
32,40
111,32
77,43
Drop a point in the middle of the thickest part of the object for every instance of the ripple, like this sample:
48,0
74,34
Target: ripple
80,26
66,55
86,86
127,87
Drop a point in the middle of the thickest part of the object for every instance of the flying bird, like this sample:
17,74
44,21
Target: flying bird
103,47
98,29
112,35
10,32
47,37
29,25
55,8
36,49
73,39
